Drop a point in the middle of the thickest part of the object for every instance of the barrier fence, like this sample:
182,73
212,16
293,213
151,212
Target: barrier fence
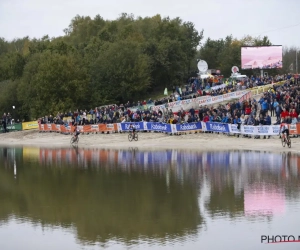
102,128
202,100
173,128
20,126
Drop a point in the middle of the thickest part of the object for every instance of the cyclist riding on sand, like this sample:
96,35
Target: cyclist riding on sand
132,128
284,128
76,130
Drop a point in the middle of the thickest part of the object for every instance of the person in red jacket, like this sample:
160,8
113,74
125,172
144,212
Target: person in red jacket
293,114
206,118
247,110
284,113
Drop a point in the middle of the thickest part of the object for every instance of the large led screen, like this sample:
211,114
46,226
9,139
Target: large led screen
264,57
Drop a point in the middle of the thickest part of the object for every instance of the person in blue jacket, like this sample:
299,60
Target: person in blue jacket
265,107
225,119
237,121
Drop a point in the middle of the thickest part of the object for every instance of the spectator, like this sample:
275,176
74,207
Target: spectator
4,123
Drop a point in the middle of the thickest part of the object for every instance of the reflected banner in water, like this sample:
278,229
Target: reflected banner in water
75,156
132,196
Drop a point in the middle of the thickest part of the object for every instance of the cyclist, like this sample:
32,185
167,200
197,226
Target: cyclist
284,128
76,130
132,127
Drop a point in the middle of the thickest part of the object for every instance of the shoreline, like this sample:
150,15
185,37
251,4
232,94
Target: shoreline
148,141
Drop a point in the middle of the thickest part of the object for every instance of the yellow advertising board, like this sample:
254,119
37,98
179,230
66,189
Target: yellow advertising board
30,125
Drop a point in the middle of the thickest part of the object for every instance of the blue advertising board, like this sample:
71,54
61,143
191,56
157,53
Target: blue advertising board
137,125
189,126
160,127
217,127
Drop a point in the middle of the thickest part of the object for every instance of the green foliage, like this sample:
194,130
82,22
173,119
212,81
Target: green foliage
97,62
289,59
11,66
120,75
52,81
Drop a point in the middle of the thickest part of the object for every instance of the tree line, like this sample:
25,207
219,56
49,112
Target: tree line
99,62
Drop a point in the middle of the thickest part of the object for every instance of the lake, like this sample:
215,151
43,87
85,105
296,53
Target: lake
72,198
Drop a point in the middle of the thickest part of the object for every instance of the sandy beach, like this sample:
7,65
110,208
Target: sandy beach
148,141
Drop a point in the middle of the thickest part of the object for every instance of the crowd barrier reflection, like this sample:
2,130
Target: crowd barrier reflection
169,158
163,159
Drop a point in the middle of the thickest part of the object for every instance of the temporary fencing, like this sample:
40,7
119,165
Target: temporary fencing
202,100
173,128
208,100
29,125
66,129
20,126
246,97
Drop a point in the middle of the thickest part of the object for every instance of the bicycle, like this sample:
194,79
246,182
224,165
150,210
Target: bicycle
133,136
285,140
74,139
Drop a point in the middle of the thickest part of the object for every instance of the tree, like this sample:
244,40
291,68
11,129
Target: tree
52,82
11,66
119,76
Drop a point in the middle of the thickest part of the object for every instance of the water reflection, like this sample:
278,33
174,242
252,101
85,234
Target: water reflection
135,195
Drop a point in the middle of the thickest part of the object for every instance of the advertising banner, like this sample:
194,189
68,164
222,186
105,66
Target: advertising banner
188,126
217,127
255,130
30,125
293,129
173,128
159,127
203,100
125,126
13,127
246,97
233,128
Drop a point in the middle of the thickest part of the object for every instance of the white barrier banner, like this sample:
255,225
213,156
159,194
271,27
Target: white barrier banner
246,97
255,130
187,104
202,100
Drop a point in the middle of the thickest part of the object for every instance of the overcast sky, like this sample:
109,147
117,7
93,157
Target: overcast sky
277,19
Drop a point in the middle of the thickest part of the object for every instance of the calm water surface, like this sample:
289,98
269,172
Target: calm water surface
116,199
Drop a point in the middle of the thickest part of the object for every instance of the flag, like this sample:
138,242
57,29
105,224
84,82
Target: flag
291,67
180,92
166,91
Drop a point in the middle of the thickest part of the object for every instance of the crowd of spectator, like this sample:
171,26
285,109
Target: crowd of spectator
278,101
197,87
